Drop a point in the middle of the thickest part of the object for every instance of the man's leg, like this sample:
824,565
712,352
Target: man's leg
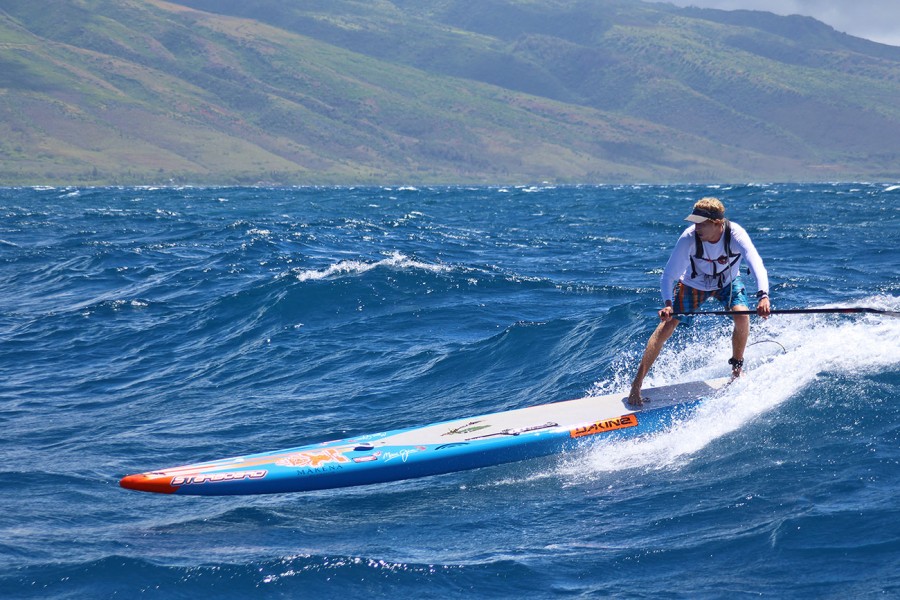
739,340
654,346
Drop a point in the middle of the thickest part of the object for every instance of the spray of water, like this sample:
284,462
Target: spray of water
812,345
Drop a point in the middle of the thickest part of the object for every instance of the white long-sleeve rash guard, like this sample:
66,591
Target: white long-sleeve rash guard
679,266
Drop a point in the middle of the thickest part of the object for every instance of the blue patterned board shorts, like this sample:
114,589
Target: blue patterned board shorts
688,299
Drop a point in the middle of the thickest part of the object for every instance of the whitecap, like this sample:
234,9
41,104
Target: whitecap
396,260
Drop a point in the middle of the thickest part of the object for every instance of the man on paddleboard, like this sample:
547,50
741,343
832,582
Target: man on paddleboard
706,263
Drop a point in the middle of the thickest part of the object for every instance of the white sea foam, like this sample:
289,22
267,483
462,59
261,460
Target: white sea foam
812,345
396,260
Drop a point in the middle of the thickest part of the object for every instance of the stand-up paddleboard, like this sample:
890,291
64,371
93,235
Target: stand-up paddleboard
438,448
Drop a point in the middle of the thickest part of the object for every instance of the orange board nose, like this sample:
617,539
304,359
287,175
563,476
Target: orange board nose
160,484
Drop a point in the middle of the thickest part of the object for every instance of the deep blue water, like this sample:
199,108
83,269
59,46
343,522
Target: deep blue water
146,328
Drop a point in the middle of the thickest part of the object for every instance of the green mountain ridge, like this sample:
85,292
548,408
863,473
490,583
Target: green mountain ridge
436,91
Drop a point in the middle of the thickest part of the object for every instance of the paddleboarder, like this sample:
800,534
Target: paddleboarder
706,263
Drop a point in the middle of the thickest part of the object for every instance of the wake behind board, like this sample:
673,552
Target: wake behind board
444,447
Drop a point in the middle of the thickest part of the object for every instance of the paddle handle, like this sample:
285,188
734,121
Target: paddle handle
796,311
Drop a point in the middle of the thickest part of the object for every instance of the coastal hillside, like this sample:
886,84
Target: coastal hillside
436,91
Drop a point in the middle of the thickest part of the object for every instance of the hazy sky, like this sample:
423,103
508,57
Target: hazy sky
877,20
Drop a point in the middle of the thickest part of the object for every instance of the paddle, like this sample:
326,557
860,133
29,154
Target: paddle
796,311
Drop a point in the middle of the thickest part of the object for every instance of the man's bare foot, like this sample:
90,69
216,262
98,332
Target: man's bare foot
737,365
634,398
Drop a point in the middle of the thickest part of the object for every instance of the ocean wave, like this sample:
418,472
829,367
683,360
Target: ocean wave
307,574
396,261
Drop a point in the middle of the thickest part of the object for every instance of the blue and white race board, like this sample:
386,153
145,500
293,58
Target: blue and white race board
444,447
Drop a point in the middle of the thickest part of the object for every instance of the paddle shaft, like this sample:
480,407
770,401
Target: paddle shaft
796,311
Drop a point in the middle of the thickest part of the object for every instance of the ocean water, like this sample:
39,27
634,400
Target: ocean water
143,328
